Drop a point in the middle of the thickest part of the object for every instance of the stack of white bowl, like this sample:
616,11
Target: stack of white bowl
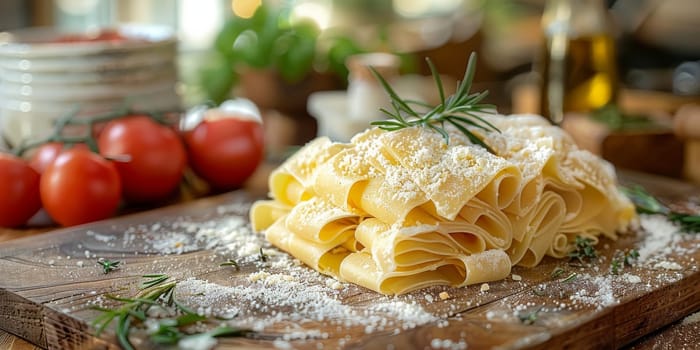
42,79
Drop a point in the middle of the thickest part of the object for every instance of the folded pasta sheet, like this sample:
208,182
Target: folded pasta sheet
401,210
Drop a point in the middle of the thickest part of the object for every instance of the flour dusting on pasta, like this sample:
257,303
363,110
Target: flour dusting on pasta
403,210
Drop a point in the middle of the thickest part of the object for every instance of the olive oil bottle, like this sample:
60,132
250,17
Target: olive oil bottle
578,63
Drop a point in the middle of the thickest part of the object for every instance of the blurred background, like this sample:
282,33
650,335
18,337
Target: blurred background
622,76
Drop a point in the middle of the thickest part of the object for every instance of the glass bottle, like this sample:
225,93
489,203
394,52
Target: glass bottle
578,65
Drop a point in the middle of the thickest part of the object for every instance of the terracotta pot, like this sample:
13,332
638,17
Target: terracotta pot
270,91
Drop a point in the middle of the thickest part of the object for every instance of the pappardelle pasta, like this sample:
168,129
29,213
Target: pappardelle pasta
402,210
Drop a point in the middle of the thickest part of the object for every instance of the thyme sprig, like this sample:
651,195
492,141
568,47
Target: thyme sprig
461,109
583,249
622,260
156,292
645,203
108,265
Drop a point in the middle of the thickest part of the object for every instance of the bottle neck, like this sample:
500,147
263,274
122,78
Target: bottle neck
575,18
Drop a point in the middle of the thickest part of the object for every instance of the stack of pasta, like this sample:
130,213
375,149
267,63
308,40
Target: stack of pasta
402,210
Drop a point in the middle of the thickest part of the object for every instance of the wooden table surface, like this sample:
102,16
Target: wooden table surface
677,336
256,184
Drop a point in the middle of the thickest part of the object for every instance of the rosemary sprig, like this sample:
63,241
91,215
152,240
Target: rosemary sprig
153,280
169,331
133,309
461,109
689,223
156,291
645,203
583,249
108,265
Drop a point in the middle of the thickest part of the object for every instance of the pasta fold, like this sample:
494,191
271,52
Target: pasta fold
402,210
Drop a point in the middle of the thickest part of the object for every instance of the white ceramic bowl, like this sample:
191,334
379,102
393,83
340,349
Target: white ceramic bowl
42,79
35,43
137,75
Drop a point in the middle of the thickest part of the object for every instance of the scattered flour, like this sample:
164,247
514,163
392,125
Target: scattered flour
694,318
295,300
601,294
660,234
299,299
668,265
632,278
197,342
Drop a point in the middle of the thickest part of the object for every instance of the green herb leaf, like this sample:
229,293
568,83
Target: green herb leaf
689,223
153,280
615,267
558,271
188,319
629,256
643,201
231,262
154,293
226,331
583,249
108,265
570,278
621,260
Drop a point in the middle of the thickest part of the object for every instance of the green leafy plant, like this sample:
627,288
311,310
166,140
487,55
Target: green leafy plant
461,109
270,40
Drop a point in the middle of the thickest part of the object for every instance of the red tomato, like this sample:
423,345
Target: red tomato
19,191
79,187
47,153
225,151
157,157
104,35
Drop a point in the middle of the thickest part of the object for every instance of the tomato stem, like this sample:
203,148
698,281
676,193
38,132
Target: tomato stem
87,123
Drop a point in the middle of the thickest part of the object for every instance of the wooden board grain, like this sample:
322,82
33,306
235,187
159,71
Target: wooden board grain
48,283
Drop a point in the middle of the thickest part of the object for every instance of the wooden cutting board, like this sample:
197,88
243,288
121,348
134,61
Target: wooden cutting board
49,282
